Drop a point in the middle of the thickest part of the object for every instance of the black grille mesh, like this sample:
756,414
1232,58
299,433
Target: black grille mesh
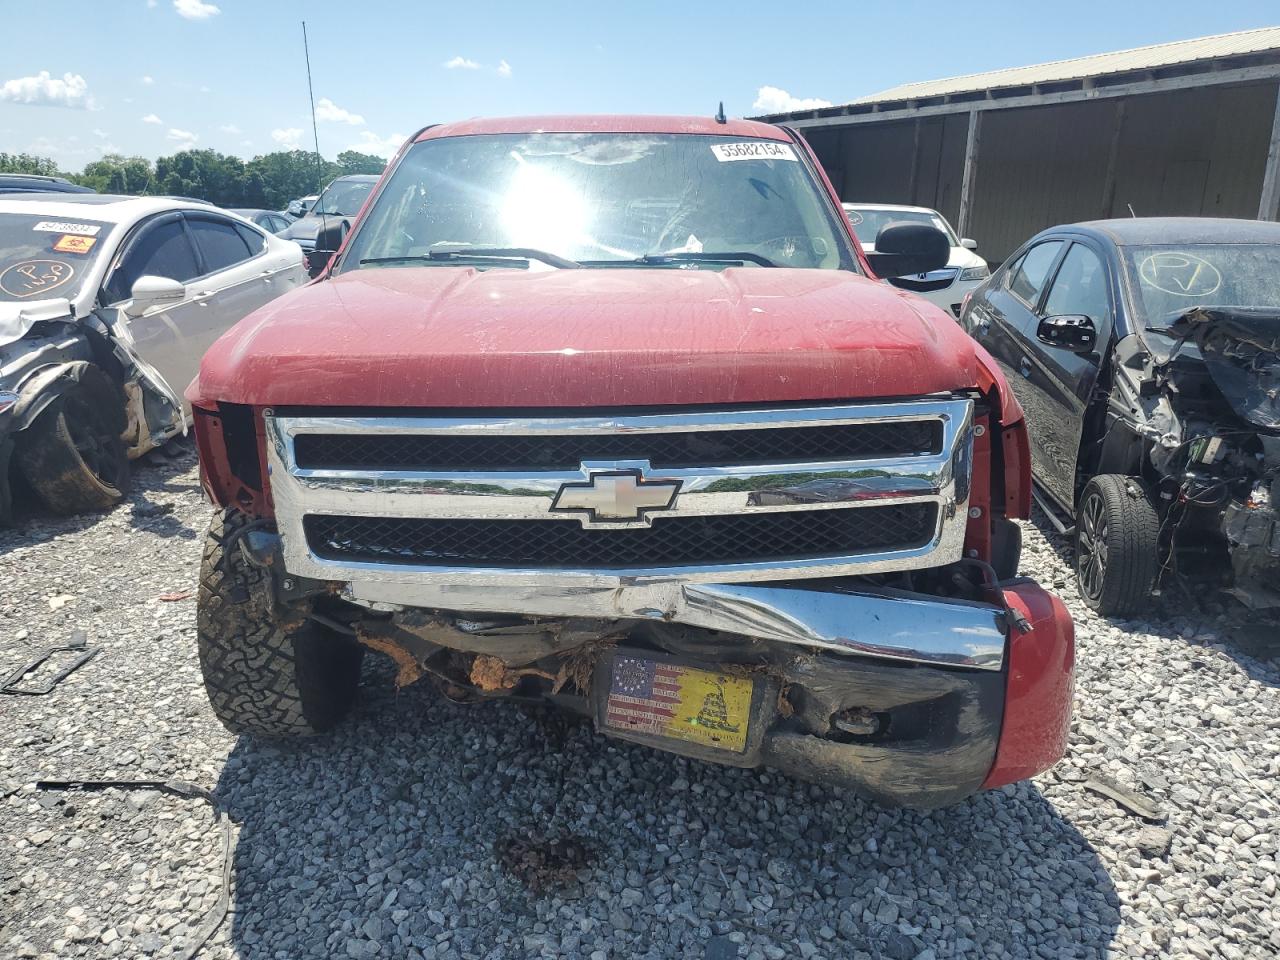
921,286
694,449
670,542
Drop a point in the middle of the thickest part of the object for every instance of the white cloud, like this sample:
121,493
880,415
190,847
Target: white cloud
326,109
146,80
504,68
100,134
775,100
185,139
461,63
152,118
151,4
195,9
246,143
384,147
44,90
204,89
230,128
290,138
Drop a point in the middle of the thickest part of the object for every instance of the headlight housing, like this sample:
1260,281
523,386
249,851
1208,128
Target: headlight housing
975,273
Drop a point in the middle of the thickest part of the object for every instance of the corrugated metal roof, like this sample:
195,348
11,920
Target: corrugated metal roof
1121,61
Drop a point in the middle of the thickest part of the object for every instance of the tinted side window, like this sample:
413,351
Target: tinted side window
253,239
1029,276
161,251
220,243
1080,288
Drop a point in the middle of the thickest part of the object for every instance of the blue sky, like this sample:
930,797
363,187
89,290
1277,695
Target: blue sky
82,77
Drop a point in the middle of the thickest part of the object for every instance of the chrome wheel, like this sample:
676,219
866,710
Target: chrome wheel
1091,546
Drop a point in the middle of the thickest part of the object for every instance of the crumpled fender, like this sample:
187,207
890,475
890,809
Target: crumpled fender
42,387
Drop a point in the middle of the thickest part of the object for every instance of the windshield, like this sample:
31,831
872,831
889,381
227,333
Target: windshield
43,257
1168,280
342,198
867,224
604,200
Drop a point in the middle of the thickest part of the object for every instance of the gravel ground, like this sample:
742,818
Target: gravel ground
423,829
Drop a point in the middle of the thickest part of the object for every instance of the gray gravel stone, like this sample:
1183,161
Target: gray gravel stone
379,840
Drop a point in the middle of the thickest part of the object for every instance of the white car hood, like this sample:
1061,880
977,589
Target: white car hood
17,318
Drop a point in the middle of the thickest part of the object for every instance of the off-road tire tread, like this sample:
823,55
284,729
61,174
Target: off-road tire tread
1133,553
265,677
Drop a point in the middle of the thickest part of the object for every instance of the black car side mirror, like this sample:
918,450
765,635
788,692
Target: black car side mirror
328,240
904,248
1069,331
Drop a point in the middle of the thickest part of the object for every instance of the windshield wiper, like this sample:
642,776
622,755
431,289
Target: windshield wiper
728,257
509,254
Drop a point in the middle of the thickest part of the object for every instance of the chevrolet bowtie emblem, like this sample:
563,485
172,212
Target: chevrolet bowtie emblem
616,496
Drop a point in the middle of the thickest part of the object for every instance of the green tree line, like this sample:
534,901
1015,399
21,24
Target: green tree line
266,182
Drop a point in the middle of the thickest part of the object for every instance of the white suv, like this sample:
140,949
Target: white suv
945,286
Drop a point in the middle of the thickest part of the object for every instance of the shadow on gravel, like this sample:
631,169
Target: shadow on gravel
34,524
427,829
1194,613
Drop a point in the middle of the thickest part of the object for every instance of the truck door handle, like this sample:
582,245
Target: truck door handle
1024,367
202,296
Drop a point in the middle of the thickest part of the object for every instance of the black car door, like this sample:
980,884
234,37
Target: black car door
1006,307
1060,380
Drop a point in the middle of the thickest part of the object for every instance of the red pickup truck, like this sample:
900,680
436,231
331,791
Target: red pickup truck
612,412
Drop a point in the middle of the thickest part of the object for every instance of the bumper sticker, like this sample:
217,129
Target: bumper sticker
685,703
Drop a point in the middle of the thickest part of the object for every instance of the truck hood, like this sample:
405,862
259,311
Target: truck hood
444,336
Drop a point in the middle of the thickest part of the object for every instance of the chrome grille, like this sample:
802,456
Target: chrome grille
849,441
669,542
764,494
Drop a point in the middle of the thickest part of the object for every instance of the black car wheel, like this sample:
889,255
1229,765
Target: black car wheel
72,454
1117,545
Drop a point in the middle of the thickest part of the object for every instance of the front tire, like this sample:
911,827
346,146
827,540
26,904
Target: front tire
1117,545
263,676
72,454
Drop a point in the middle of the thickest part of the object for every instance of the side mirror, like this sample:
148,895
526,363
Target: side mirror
1069,331
150,291
968,244
328,241
905,248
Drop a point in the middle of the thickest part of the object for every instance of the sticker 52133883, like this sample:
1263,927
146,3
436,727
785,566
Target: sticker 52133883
61,226
753,150
33,277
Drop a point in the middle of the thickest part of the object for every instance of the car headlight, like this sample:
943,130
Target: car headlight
975,273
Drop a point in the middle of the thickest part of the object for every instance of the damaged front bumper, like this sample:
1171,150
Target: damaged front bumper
905,698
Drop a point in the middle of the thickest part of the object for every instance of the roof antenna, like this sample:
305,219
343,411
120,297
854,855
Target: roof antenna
720,117
1131,213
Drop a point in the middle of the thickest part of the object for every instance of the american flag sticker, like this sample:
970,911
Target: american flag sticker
669,700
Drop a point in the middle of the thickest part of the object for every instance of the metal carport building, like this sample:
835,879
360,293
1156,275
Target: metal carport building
1185,128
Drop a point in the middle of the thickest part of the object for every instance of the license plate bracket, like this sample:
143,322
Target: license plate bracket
683,706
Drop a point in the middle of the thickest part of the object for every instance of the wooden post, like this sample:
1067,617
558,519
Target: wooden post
1113,161
915,161
1269,205
970,177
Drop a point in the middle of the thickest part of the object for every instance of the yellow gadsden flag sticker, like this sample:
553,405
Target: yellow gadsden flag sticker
714,710
70,243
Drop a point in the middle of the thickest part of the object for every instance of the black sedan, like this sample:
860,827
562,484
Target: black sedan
268,220
34,183
1146,354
